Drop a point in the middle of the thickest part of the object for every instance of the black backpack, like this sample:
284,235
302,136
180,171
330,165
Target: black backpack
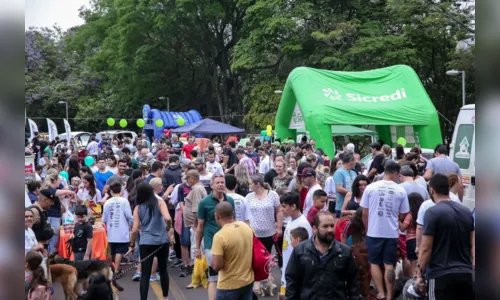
43,230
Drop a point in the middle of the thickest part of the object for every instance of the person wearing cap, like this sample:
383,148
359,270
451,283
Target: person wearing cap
46,199
384,203
204,175
377,164
441,164
308,177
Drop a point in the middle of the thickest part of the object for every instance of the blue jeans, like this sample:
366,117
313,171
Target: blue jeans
54,241
243,293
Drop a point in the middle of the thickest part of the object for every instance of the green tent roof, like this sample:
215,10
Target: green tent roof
382,97
342,130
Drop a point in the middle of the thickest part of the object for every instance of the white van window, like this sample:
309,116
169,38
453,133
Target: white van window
463,145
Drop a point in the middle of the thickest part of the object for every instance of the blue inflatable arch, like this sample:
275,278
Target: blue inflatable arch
169,120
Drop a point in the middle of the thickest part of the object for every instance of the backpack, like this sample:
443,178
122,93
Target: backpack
262,260
44,230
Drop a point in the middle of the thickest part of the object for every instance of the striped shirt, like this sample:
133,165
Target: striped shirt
249,163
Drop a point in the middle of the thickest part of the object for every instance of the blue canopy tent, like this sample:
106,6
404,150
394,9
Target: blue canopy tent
208,126
169,120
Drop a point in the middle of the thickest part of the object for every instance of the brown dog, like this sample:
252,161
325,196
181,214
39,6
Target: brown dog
67,276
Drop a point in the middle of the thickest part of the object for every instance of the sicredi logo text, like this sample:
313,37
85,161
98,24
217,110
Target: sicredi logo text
336,96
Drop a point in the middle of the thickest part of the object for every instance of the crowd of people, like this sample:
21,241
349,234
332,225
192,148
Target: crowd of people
338,227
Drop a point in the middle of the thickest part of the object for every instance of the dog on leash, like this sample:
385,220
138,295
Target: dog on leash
68,276
266,289
88,268
99,288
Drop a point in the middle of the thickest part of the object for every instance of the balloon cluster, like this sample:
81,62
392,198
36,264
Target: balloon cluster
141,123
267,133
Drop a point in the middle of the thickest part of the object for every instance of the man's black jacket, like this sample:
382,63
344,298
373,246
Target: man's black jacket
172,175
310,277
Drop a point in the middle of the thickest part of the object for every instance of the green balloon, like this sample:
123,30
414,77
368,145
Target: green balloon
140,123
123,123
402,141
263,132
159,123
111,122
181,121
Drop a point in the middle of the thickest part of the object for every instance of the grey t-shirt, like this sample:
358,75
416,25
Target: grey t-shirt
414,187
443,165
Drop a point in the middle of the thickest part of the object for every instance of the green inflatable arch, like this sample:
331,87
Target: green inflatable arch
381,97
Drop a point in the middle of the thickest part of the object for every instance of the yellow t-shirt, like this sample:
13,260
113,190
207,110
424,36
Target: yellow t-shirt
235,243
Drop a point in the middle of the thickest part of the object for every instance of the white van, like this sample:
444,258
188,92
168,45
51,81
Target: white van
463,152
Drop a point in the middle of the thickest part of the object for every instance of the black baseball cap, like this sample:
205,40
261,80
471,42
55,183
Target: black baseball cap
49,193
308,172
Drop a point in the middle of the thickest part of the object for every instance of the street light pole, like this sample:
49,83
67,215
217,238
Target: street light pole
65,102
456,73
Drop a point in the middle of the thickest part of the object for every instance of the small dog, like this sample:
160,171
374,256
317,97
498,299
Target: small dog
68,277
99,288
265,289
87,268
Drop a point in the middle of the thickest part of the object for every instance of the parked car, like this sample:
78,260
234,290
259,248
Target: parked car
83,135
427,153
124,133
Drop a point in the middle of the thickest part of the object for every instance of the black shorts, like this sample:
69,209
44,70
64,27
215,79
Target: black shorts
118,248
382,250
451,286
411,245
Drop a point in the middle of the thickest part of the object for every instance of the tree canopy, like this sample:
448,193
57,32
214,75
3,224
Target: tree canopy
225,58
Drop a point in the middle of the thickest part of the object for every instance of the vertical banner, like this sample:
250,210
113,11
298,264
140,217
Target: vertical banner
68,131
33,128
52,132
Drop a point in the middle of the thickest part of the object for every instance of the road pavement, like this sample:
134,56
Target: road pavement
177,290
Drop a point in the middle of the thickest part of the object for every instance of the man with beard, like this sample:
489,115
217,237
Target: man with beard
322,268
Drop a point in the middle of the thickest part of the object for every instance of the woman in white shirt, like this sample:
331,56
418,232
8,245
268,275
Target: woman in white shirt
265,208
112,164
87,191
330,184
30,242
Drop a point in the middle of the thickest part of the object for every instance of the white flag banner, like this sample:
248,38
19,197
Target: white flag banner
52,130
297,120
68,131
33,128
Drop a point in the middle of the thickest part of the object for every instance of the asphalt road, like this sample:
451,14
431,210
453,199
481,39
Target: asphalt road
177,290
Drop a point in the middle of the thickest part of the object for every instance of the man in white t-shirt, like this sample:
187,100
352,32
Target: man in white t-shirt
383,202
309,179
290,205
241,210
93,147
213,166
117,216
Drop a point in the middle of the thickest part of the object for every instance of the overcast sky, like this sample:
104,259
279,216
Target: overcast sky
46,13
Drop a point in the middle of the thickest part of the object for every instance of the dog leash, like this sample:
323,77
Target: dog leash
119,275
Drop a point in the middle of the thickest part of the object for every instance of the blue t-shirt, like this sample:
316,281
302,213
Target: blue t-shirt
254,156
345,178
101,178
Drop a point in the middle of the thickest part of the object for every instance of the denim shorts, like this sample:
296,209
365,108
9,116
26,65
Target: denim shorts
242,293
382,250
185,236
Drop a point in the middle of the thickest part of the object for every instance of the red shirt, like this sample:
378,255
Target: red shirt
187,149
302,195
313,211
342,227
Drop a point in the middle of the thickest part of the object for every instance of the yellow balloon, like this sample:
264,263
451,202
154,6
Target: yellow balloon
269,128
269,133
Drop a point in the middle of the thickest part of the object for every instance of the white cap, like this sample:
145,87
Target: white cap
350,147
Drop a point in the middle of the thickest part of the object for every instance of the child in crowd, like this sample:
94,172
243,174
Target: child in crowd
298,235
319,201
82,235
36,284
